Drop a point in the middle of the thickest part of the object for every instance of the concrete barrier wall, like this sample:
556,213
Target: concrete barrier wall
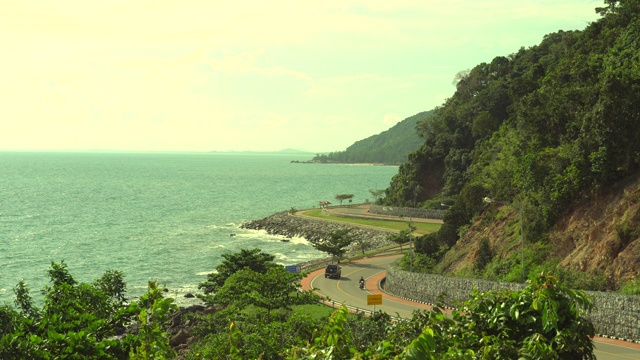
616,315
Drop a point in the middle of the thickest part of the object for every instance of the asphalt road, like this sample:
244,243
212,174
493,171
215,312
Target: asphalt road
346,291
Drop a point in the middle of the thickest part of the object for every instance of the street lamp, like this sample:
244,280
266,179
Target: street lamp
490,200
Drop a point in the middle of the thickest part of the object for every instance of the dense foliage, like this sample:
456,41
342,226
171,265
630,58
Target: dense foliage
81,321
254,318
539,129
389,147
252,259
551,122
335,243
542,321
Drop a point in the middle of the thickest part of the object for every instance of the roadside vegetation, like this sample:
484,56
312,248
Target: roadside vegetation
85,321
257,311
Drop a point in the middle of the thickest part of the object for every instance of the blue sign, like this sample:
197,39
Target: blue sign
293,268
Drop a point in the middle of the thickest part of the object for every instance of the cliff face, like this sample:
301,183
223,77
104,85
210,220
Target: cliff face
603,233
599,234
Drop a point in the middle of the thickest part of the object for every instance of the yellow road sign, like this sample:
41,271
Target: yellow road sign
374,299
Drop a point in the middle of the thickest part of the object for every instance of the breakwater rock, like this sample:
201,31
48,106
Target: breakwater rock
283,224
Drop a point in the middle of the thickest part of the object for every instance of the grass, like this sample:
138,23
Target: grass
390,225
316,311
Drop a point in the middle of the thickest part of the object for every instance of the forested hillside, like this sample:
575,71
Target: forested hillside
540,131
389,147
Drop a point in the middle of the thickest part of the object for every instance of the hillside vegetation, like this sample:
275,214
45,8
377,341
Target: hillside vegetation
389,147
551,133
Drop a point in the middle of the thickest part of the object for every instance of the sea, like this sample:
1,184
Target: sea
156,216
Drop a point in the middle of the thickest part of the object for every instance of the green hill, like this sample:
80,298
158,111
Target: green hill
389,147
543,130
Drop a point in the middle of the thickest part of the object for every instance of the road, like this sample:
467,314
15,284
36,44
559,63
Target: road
346,290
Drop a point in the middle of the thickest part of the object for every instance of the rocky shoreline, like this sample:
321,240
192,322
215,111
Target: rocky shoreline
284,224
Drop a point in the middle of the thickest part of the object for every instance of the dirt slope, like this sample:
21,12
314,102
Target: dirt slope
602,233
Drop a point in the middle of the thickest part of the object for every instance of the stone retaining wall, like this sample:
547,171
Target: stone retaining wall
615,315
407,212
311,229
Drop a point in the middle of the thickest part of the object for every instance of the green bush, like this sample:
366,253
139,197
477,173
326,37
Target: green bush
543,321
79,320
631,287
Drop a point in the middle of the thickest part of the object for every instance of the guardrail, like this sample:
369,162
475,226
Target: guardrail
355,309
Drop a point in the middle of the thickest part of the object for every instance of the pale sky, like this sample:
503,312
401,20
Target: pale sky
212,75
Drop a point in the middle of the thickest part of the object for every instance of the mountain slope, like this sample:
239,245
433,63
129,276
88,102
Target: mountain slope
598,237
389,147
543,131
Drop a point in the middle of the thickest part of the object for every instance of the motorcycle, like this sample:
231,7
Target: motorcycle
361,285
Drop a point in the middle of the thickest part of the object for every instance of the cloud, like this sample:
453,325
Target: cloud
390,120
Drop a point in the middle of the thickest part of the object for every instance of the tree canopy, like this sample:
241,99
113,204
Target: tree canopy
343,197
81,320
543,127
335,244
252,259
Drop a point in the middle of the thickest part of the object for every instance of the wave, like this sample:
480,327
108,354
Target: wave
280,256
214,227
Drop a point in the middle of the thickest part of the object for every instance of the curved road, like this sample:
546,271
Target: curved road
345,290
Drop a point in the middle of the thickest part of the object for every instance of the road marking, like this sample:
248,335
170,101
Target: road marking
595,352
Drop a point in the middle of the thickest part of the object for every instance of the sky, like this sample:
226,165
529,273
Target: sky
245,75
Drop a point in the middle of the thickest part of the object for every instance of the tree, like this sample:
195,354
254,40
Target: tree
484,256
376,193
363,243
275,289
400,238
335,244
154,343
253,259
342,197
79,320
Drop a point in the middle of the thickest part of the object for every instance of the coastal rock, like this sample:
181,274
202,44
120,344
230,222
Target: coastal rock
282,223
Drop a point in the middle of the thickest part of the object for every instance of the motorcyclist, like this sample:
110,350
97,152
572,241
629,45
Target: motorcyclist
361,281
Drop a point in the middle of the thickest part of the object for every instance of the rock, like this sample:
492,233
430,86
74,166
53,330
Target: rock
196,309
189,295
180,338
312,229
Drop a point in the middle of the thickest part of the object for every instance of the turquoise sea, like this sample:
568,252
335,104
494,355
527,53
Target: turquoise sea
164,216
